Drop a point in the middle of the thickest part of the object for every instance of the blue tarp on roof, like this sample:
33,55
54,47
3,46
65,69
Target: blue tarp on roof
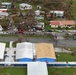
46,59
25,60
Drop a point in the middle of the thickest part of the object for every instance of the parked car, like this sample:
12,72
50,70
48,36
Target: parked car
74,36
60,31
20,31
50,31
1,32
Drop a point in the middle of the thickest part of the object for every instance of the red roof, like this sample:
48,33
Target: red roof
54,23
68,22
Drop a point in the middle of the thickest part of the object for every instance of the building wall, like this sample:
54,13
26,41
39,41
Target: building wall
54,26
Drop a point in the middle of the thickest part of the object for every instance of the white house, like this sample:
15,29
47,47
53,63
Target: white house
6,4
37,12
3,10
57,13
25,6
40,25
1,28
3,14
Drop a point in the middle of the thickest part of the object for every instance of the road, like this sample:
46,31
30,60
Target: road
60,42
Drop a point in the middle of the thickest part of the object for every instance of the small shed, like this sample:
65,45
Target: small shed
24,6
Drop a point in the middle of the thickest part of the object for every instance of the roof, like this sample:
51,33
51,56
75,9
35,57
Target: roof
2,49
37,68
54,23
45,50
24,50
24,4
65,22
4,14
57,11
68,22
6,3
3,9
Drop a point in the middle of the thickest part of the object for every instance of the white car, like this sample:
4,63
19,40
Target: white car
60,31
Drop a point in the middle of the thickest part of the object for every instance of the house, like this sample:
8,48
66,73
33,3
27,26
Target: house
39,26
24,6
67,23
3,10
54,24
45,52
57,13
1,28
2,49
38,17
39,7
39,14
3,14
6,5
64,23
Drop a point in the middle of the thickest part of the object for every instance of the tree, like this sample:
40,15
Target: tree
4,23
25,22
59,28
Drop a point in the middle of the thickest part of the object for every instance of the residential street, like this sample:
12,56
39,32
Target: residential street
60,42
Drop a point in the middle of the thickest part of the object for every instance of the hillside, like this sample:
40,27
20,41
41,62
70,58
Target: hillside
66,5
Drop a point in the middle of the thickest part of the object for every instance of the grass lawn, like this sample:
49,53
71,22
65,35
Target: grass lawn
7,44
13,71
51,71
62,71
65,57
27,36
73,48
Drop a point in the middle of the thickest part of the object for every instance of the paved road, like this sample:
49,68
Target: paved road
60,42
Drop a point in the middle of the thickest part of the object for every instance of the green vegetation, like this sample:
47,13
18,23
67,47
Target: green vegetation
29,36
65,57
13,71
47,26
74,9
62,71
68,36
7,44
10,35
72,48
51,71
